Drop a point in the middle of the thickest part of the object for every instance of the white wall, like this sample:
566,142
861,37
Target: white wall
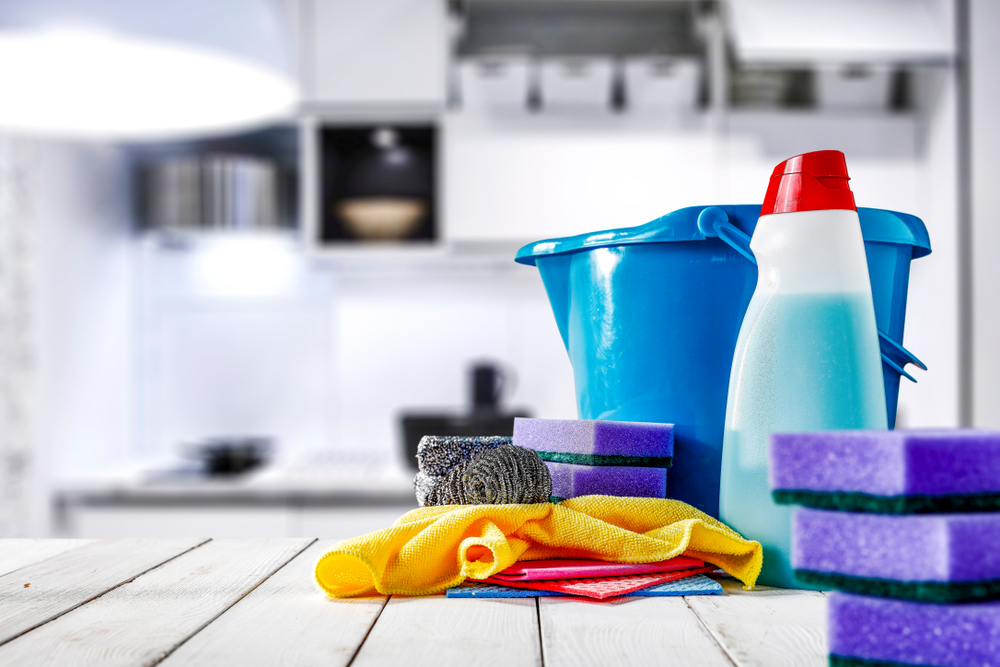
406,342
84,256
985,83
331,359
932,314
234,339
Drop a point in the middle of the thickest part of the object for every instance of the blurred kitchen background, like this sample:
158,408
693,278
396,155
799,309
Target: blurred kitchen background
229,285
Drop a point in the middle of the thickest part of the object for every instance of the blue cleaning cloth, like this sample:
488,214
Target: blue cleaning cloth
699,584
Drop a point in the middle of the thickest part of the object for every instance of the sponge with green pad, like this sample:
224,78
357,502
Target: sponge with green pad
595,442
929,557
876,632
893,472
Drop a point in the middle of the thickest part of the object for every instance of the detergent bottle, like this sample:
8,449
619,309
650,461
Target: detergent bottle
807,356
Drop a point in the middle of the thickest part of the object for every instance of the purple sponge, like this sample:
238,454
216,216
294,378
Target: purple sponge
570,480
875,631
932,557
894,472
597,442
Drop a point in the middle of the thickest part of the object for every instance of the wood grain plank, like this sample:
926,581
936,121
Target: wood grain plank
16,553
287,620
626,631
42,591
769,627
143,621
440,632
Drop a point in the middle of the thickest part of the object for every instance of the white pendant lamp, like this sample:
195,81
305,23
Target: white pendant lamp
135,69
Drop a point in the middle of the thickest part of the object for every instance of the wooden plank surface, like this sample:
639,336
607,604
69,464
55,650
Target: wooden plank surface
766,627
438,631
143,621
253,602
626,631
16,553
287,620
39,592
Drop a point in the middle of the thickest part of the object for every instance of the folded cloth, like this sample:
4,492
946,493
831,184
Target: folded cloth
430,549
547,570
698,584
507,474
603,587
438,454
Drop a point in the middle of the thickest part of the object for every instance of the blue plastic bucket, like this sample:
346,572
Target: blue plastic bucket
649,316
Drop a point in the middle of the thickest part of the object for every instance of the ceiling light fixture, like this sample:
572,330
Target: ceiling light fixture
135,69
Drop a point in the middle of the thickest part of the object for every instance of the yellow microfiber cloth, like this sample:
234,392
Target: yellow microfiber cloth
433,548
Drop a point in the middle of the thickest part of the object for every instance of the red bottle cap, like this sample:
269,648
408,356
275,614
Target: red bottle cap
809,182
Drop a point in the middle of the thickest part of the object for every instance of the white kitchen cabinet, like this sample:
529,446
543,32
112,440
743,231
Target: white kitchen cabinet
525,179
375,53
841,31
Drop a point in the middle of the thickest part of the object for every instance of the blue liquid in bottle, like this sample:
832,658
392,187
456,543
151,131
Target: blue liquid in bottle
803,365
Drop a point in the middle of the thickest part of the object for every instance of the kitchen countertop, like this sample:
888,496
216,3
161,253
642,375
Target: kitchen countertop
274,485
253,602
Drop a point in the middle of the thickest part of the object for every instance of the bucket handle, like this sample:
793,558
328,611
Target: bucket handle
714,222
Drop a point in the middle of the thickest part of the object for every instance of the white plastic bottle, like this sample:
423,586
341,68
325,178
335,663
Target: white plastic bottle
807,357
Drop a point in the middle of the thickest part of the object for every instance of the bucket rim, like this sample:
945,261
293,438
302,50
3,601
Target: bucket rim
877,226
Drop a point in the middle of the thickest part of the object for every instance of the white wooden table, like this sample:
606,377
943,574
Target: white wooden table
253,602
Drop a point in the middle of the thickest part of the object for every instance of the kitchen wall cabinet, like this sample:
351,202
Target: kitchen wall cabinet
376,54
527,179
847,31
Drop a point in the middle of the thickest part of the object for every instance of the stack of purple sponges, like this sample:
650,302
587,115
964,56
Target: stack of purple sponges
588,456
914,529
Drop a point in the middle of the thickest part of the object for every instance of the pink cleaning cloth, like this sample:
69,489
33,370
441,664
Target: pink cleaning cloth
603,587
544,570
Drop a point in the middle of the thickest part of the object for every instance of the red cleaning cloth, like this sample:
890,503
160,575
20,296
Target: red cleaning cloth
603,587
543,570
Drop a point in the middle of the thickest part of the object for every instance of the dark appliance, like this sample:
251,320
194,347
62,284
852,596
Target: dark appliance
486,416
228,456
